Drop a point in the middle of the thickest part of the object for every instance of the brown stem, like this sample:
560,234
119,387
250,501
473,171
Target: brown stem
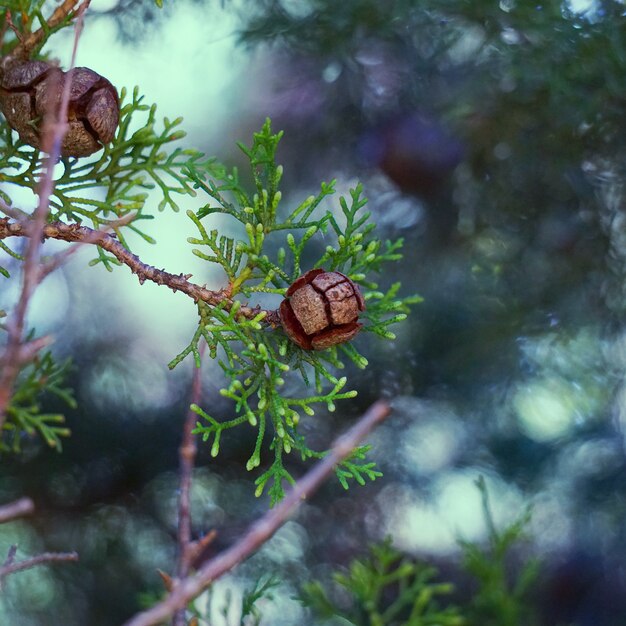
11,567
60,258
29,43
187,454
190,588
10,556
16,214
176,282
11,511
18,508
5,24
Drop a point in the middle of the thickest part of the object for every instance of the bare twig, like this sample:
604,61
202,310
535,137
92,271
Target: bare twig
61,258
54,129
197,547
190,588
11,567
187,454
16,214
11,511
18,508
176,282
29,349
10,24
10,555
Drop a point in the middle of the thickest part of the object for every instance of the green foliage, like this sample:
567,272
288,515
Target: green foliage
262,589
359,472
264,371
249,612
386,589
499,601
274,251
42,376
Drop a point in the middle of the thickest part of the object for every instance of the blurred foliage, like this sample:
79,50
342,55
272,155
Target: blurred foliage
538,135
498,601
387,588
247,613
517,245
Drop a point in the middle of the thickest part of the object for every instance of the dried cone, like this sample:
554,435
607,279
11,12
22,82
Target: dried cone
321,309
30,90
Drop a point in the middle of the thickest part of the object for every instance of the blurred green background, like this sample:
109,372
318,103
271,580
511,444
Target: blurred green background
491,136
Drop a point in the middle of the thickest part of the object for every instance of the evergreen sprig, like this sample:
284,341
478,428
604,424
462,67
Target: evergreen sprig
262,366
499,600
262,589
110,190
42,376
225,604
386,589
353,468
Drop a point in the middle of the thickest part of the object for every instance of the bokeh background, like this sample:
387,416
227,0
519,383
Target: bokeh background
489,135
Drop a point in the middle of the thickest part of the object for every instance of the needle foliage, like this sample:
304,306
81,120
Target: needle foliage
272,383
387,588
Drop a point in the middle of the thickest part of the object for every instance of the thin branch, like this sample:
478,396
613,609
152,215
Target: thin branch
54,129
197,547
5,24
176,282
62,257
264,528
12,26
18,508
187,454
27,44
16,214
11,511
10,556
12,567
